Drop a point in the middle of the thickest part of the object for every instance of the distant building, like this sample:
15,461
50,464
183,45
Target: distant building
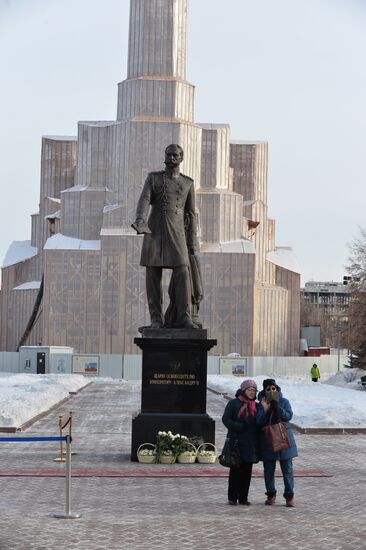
325,305
334,297
82,259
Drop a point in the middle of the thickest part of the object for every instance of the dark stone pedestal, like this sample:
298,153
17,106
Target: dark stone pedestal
174,385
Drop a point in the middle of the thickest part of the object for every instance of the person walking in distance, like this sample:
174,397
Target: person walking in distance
315,373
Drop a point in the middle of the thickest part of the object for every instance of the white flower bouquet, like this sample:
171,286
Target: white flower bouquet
187,452
164,447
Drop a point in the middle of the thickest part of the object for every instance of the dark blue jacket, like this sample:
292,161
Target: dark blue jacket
285,414
245,429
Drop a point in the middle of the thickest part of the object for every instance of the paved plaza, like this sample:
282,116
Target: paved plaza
171,512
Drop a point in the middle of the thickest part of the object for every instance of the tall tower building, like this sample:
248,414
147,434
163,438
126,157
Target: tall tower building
82,243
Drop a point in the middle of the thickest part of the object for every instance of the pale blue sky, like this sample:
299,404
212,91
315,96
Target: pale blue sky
291,72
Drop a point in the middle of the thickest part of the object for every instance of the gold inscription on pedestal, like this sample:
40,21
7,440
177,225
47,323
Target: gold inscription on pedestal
175,379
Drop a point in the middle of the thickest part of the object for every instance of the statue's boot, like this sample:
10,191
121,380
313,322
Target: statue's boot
155,296
182,297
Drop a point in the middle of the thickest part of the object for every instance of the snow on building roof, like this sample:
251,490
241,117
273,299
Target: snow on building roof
30,285
110,207
74,189
61,138
246,142
113,231
250,202
240,246
285,257
209,126
53,215
100,123
61,242
53,199
19,251
84,188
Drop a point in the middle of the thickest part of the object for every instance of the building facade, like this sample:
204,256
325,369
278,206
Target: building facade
333,297
326,305
82,245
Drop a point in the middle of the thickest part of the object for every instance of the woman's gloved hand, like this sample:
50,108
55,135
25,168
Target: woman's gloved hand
274,405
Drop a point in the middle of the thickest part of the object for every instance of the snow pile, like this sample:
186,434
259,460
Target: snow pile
108,380
315,405
23,396
349,378
333,403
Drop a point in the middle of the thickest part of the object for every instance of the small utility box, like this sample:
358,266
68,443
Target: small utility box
45,359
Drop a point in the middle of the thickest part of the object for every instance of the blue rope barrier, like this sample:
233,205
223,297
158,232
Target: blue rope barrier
68,439
51,438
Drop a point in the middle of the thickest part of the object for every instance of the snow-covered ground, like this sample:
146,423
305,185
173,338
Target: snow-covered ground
23,396
333,403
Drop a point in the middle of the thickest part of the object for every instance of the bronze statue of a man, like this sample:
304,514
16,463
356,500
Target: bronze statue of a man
169,239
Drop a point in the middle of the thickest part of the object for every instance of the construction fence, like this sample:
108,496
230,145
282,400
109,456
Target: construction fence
128,367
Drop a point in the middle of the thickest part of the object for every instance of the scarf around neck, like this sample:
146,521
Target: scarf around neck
248,407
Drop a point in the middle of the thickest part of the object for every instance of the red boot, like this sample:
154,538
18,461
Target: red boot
290,503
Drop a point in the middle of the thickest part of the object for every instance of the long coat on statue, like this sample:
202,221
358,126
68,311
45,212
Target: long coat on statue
172,201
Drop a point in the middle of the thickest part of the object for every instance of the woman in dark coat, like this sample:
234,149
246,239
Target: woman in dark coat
239,419
274,408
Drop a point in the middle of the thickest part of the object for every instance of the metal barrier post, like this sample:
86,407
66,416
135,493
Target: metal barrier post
70,424
70,428
61,457
68,514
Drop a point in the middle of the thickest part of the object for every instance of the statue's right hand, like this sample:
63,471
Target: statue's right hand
140,227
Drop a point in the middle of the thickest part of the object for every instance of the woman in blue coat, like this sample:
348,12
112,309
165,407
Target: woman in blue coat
274,408
240,419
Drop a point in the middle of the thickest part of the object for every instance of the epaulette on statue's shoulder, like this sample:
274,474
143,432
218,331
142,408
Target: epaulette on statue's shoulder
157,173
187,177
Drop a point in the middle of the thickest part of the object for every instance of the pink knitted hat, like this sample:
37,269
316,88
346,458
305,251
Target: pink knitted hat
248,384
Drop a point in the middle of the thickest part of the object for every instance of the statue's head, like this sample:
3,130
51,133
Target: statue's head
174,155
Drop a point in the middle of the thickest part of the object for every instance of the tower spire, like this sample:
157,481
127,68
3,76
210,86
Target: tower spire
155,86
157,38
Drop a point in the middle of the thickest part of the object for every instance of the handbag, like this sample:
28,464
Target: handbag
230,454
276,436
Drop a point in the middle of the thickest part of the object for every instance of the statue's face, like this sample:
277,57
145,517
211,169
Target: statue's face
173,157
